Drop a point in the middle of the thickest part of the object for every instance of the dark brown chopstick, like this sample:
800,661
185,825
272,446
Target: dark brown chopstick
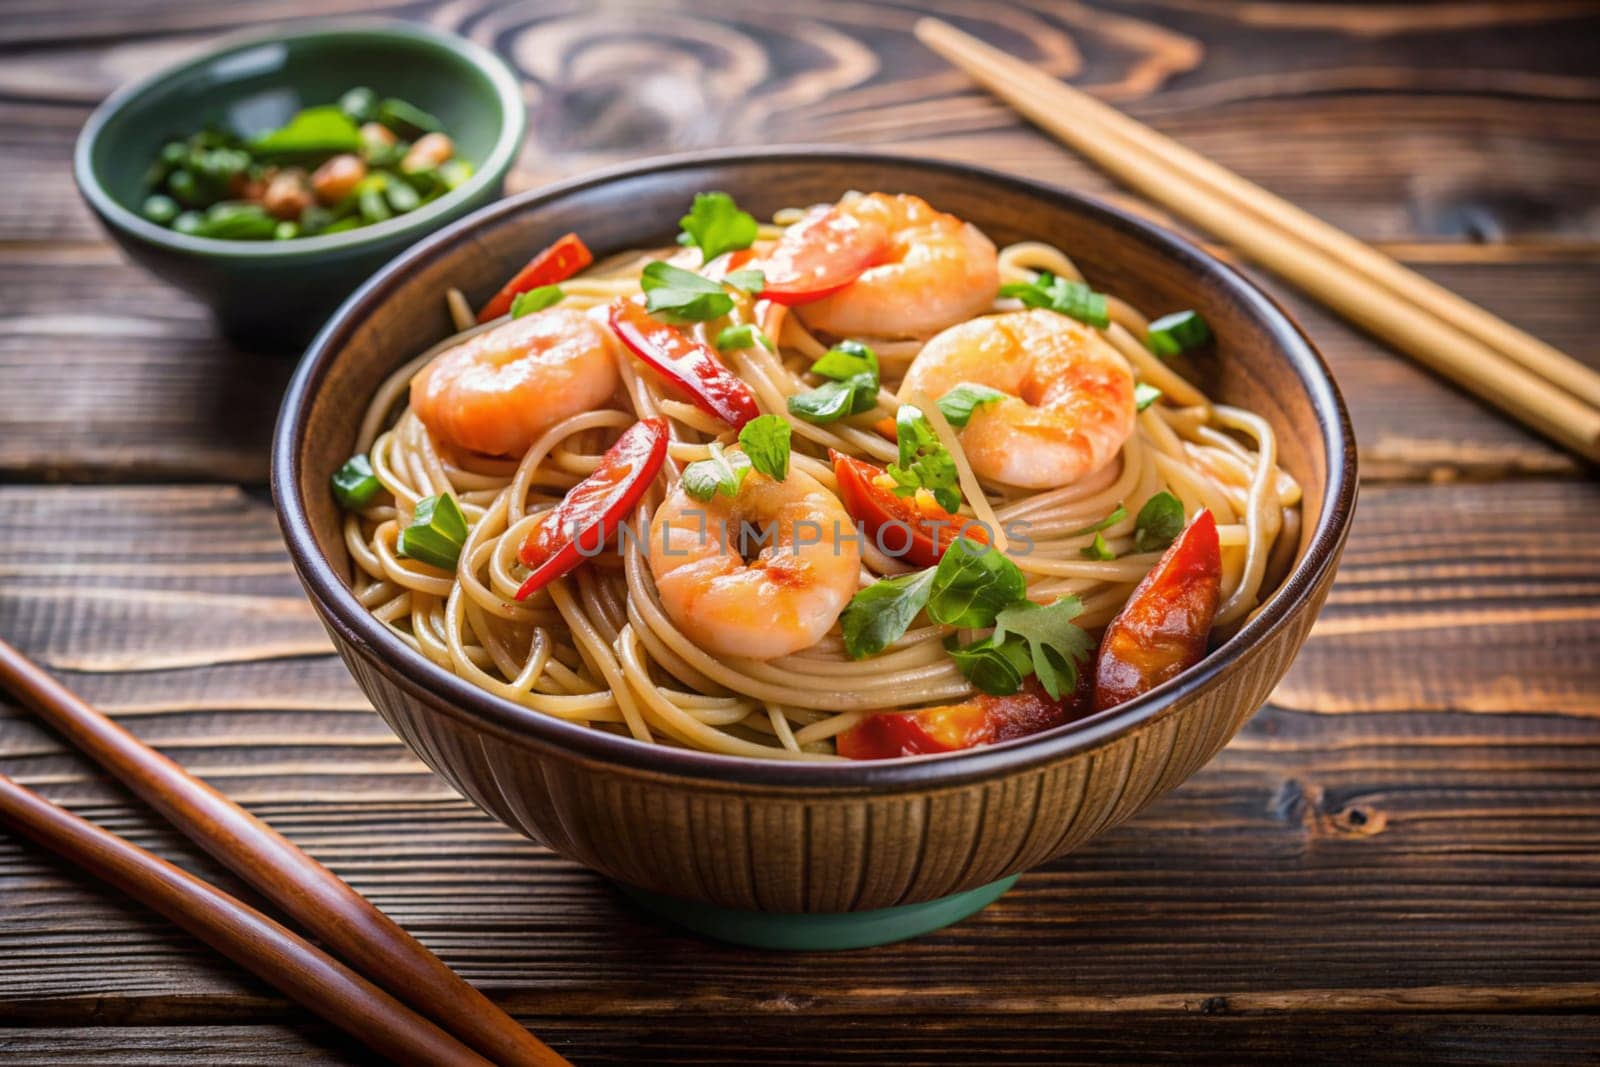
238,931
350,925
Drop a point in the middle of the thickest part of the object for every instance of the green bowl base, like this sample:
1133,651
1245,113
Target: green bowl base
818,931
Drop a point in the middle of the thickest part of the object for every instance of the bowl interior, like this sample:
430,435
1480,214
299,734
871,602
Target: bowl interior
257,86
1261,362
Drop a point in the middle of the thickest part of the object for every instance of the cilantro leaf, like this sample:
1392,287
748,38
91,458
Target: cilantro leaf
1070,298
682,294
536,300
722,473
924,461
993,667
1144,395
1055,647
766,441
715,225
972,583
959,403
880,614
745,335
1159,523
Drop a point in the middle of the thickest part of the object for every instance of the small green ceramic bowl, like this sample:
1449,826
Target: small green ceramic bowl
275,294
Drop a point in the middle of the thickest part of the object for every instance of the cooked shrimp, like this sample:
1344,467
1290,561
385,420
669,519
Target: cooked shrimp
1070,408
782,600
498,391
930,270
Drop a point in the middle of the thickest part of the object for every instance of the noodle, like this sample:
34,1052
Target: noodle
597,647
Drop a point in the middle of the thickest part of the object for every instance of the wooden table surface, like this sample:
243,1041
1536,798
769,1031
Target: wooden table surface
1401,853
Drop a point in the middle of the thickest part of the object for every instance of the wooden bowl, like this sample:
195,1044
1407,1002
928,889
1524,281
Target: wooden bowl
784,837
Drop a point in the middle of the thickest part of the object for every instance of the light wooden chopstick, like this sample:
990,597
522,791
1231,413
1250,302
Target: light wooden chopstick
1542,387
318,899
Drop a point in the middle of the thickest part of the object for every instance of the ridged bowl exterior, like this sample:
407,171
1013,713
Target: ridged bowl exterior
781,837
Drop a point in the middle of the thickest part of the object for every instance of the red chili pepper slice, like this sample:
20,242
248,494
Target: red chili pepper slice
983,720
686,363
555,264
821,254
1163,627
900,526
589,514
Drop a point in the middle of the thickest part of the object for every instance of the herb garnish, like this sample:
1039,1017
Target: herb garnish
536,300
1159,523
1178,332
960,402
924,461
852,390
715,225
1071,298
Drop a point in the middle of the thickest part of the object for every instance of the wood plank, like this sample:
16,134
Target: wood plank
1404,145
140,387
1061,1041
1390,142
1448,815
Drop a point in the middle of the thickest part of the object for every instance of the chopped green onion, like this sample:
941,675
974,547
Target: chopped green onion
354,484
159,209
436,534
454,173
1098,549
360,104
401,197
1117,515
536,300
238,221
745,335
186,188
403,117
286,231
1074,299
1178,332
1145,395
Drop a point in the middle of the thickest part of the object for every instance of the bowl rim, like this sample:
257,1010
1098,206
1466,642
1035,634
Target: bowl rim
507,144
441,690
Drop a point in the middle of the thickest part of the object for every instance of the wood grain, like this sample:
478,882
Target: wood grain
1396,856
138,387
1358,807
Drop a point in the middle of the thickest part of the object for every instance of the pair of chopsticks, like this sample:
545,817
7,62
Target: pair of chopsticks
1544,388
396,966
